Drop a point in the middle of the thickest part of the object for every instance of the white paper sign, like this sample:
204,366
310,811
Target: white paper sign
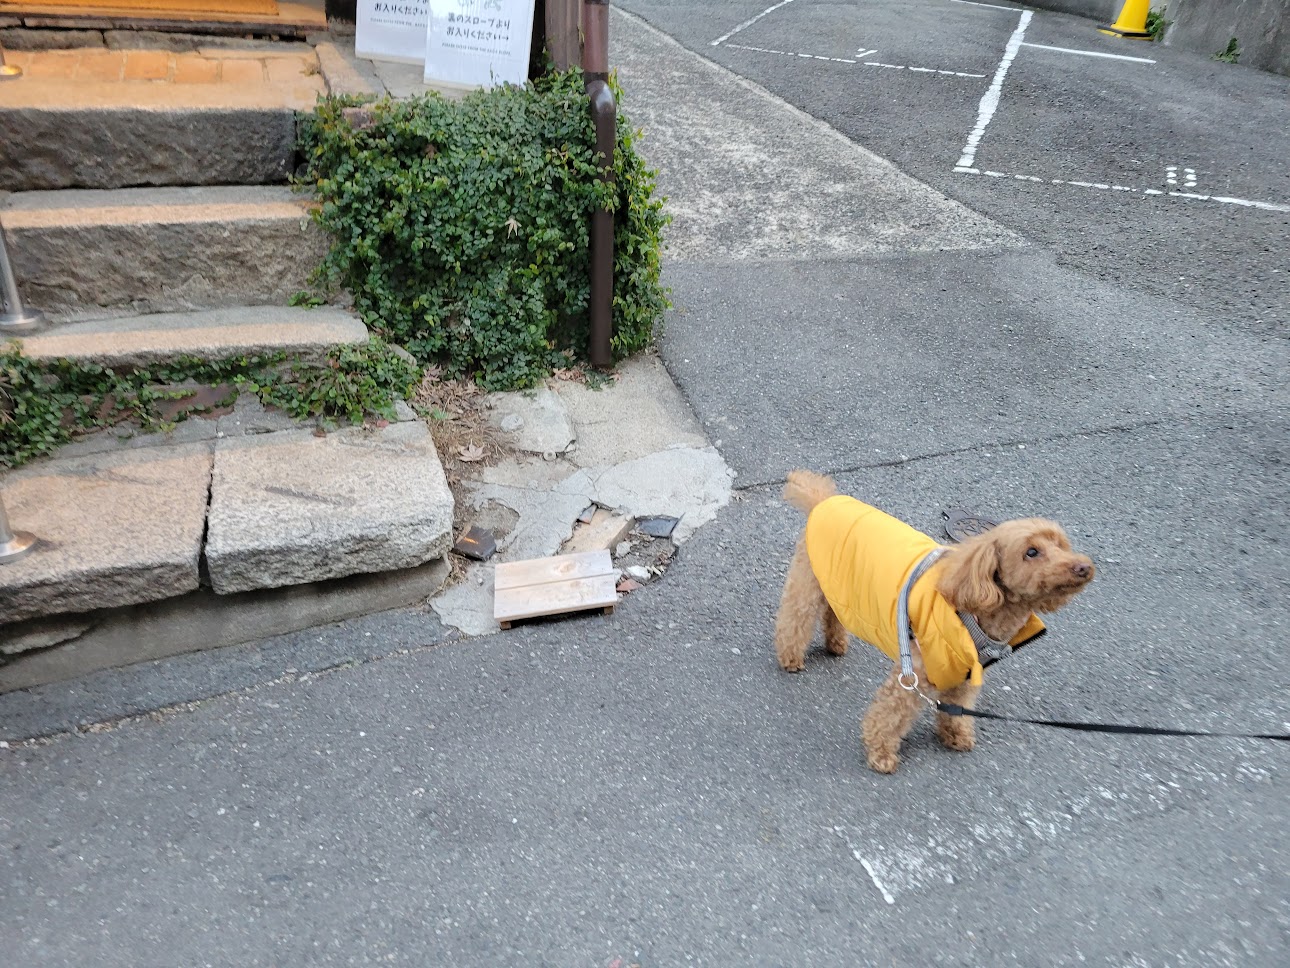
478,43
392,30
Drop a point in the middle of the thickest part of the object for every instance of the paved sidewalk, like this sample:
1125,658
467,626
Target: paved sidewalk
650,788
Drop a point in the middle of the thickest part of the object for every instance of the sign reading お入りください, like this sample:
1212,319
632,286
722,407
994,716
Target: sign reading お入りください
391,30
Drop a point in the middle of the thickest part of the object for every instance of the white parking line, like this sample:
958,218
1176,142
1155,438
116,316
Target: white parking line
886,894
992,6
990,99
846,60
1103,186
749,22
789,53
920,70
1091,53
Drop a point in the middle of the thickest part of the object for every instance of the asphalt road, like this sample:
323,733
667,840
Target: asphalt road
649,788
1059,116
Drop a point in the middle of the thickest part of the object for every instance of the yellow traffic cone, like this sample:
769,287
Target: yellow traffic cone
1132,22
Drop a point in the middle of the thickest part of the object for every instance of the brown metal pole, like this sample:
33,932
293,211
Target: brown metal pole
595,67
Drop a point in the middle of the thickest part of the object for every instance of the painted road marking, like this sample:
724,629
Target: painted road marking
789,53
1091,53
749,22
886,894
990,103
920,70
992,6
847,60
1104,186
873,874
990,99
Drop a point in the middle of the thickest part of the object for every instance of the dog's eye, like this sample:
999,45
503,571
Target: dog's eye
1032,552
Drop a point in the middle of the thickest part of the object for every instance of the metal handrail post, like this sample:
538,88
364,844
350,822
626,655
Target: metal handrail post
14,317
8,71
13,544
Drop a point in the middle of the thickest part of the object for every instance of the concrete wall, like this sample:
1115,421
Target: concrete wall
1205,26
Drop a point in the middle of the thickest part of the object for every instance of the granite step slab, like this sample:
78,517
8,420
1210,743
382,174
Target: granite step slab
209,334
114,529
294,507
97,117
151,250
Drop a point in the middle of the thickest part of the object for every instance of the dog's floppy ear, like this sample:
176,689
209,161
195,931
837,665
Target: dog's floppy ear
968,581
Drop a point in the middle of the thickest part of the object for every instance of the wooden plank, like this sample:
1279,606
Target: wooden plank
555,598
562,32
539,571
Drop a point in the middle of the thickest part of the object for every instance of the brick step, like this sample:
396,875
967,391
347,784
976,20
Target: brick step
80,252
208,334
102,118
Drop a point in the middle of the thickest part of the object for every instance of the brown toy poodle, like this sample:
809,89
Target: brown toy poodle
847,572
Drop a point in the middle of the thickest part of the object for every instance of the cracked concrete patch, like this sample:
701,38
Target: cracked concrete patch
689,483
532,420
659,416
638,450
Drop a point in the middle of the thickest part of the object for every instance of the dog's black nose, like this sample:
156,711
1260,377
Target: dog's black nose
1081,569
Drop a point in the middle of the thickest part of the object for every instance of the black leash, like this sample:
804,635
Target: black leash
961,524
952,710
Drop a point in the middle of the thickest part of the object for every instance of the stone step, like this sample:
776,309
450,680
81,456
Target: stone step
81,252
292,508
114,529
265,510
208,334
103,118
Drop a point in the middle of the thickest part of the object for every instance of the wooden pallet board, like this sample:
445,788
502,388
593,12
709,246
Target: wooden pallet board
554,586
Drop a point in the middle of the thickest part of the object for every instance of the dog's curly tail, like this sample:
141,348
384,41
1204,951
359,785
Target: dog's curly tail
805,489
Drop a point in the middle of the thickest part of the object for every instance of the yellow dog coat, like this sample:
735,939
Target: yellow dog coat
861,558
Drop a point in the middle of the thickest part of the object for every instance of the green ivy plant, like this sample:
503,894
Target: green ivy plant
1231,53
44,403
352,382
1156,22
462,227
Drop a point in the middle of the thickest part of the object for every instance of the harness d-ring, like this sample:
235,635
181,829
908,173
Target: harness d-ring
912,685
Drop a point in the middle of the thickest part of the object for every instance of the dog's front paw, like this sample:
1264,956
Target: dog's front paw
884,761
792,663
957,736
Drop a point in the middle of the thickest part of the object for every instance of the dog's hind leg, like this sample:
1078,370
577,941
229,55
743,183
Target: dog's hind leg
835,633
889,718
800,607
958,732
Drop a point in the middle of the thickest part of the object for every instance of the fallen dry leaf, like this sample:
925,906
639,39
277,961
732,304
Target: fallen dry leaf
627,585
470,453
